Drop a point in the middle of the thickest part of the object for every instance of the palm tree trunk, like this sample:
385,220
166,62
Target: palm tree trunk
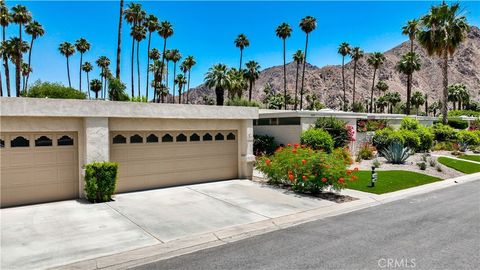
303,72
133,56
1,85
88,86
250,88
373,86
241,55
344,89
296,87
119,41
80,75
17,75
354,75
162,66
148,62
220,96
174,74
409,93
25,86
179,94
138,68
5,64
284,75
445,87
188,85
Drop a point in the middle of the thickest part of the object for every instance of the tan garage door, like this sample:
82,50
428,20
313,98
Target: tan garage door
38,167
158,159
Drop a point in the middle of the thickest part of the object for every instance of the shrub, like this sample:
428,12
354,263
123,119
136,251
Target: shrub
100,181
242,102
447,146
396,153
426,137
371,125
338,129
464,112
409,123
307,170
444,133
317,139
432,162
382,138
366,152
409,138
138,99
53,90
475,124
264,145
469,138
422,165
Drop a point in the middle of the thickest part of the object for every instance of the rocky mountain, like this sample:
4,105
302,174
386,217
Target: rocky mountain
326,82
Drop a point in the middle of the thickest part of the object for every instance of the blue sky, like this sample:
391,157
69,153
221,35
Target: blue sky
206,30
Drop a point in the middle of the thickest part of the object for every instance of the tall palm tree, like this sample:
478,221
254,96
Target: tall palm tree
181,81
344,50
307,24
5,20
26,70
284,31
410,30
440,33
237,83
119,41
165,30
298,58
218,79
16,50
190,62
375,60
176,56
96,86
134,15
1,81
168,58
21,16
87,67
251,74
241,42
408,64
151,24
418,99
35,30
67,49
356,54
103,63
139,33
153,54
82,46
184,69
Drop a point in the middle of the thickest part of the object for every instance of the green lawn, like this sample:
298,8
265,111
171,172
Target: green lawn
459,165
389,181
471,157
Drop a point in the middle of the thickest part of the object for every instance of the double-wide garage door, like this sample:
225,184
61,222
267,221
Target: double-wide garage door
163,158
38,167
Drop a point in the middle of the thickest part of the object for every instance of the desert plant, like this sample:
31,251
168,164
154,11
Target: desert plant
439,168
53,90
469,138
317,139
264,145
339,130
432,162
396,153
409,123
376,163
366,152
100,181
422,165
447,146
462,147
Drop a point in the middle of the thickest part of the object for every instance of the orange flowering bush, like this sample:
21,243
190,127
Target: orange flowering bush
308,170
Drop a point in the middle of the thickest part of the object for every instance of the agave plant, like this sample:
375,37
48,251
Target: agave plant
396,153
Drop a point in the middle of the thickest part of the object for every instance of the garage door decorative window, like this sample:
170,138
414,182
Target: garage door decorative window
167,138
66,140
136,139
43,141
207,137
2,143
181,138
194,137
119,139
152,138
219,137
20,142
231,137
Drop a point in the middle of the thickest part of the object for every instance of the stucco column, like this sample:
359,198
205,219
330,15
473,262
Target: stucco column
245,143
96,139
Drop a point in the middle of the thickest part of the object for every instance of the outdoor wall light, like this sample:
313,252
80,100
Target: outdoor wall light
374,177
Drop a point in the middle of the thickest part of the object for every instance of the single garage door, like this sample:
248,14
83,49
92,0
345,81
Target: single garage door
158,159
38,167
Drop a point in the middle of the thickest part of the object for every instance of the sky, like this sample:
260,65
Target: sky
207,30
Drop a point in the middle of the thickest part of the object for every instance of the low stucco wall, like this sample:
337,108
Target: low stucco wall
283,134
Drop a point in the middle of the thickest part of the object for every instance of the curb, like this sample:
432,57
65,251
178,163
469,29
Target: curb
224,236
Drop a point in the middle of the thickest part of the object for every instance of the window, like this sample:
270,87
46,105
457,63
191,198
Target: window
207,137
167,138
152,138
231,137
181,138
194,137
2,143
119,139
65,140
289,121
43,141
219,137
20,142
136,139
263,122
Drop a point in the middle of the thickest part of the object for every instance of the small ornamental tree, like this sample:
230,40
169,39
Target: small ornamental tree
100,181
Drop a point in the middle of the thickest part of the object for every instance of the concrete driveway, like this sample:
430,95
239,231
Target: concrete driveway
53,234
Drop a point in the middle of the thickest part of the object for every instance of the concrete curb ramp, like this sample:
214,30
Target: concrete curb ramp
191,244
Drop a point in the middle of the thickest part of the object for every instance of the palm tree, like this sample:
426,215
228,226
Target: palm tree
284,31
307,24
35,30
241,42
344,50
103,63
298,58
67,49
107,74
217,78
237,83
1,81
153,54
251,74
21,16
356,54
375,60
440,33
165,31
408,64
382,102
176,56
87,67
96,86
418,99
139,33
393,98
151,24
189,62
5,20
181,81
16,49
82,46
26,70
119,41
134,15
410,30
168,58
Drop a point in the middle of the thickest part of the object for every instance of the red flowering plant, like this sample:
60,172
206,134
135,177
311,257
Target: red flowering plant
307,170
